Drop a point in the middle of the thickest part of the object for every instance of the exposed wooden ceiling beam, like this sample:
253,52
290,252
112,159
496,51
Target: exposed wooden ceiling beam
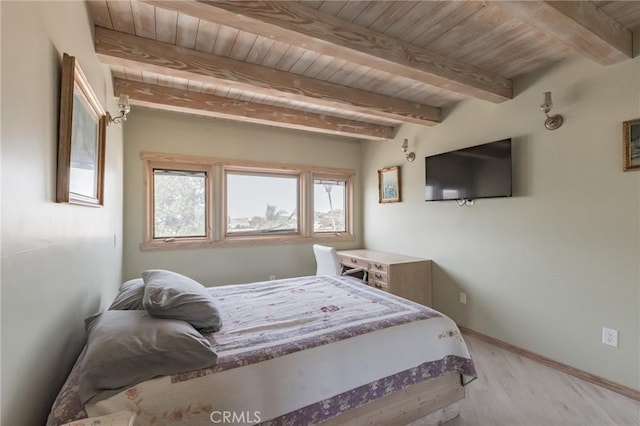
578,24
302,26
159,97
116,48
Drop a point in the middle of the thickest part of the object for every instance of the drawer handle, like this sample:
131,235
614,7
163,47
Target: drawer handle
377,285
378,276
377,265
354,260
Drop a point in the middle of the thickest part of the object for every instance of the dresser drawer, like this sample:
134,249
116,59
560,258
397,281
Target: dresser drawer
378,277
379,286
352,262
379,280
378,267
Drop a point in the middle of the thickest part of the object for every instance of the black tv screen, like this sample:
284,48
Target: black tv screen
482,171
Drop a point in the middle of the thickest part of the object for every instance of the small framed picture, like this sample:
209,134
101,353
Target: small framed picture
631,144
81,140
389,185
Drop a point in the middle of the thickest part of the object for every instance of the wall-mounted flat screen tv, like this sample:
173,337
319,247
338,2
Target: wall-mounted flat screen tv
482,171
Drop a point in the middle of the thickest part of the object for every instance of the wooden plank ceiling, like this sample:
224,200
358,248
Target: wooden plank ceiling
352,68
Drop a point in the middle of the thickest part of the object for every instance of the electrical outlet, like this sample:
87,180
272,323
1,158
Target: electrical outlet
610,336
463,298
272,277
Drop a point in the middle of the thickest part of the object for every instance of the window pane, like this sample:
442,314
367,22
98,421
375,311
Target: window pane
329,199
179,208
261,203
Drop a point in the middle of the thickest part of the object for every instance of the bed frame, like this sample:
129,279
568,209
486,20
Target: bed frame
435,401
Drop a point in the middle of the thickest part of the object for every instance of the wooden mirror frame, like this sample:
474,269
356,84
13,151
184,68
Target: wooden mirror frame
81,139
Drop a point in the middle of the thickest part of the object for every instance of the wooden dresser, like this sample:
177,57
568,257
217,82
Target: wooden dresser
405,276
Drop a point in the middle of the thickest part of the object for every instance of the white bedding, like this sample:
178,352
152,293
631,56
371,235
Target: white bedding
290,344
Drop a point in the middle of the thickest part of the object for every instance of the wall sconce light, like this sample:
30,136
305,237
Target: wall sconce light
123,107
553,121
405,147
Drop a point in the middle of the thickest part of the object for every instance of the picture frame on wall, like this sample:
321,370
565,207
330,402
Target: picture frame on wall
631,145
81,139
389,189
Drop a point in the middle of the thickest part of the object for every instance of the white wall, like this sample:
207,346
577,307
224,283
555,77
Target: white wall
59,261
160,131
546,269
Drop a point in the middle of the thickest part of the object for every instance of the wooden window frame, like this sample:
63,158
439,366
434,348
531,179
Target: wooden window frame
215,214
253,171
348,204
151,166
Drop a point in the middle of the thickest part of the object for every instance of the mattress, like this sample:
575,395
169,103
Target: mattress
294,351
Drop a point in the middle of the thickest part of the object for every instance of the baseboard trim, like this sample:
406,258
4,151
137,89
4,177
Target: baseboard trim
581,374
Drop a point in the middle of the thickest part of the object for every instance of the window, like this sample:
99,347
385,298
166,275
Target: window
261,203
203,202
329,205
179,203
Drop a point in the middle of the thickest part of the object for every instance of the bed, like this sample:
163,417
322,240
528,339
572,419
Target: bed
307,350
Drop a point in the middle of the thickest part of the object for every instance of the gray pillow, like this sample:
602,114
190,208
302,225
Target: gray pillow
130,296
171,295
129,347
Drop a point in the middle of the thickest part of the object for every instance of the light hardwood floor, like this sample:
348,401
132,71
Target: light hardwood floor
516,391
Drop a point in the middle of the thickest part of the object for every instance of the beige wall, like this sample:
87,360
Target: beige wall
546,269
59,262
159,131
